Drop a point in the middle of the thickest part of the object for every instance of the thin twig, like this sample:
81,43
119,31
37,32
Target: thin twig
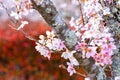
26,35
81,13
78,73
15,24
5,8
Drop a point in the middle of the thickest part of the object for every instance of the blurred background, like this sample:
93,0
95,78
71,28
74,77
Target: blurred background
18,58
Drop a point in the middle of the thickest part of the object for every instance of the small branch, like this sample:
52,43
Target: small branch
15,22
81,13
81,74
62,66
5,8
26,35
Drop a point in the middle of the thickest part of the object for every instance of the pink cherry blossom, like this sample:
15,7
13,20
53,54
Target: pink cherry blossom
103,58
107,37
70,68
57,44
43,50
50,35
91,51
68,54
80,45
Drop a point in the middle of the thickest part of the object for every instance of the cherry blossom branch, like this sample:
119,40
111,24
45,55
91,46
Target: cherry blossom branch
15,23
54,19
26,35
50,14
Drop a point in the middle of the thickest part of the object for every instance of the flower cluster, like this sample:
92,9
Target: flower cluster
22,7
94,38
70,68
21,59
48,44
73,61
51,43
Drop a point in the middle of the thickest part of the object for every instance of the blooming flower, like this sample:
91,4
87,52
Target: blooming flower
57,44
74,61
68,54
15,15
48,43
80,46
22,7
52,42
95,39
70,68
43,50
103,58
89,34
50,35
91,7
107,37
91,51
111,46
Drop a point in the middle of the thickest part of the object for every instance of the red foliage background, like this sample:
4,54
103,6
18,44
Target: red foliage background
19,59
